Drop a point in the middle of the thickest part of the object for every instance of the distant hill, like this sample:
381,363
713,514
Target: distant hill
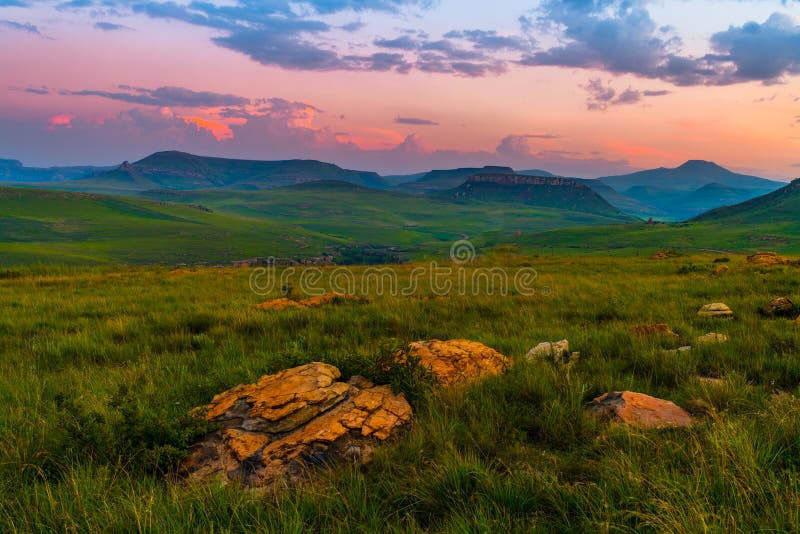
779,206
182,171
690,176
443,179
686,191
12,170
560,193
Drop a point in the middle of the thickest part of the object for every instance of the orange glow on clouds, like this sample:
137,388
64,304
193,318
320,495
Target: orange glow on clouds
220,130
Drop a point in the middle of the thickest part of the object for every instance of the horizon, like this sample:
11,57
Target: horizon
581,89
424,171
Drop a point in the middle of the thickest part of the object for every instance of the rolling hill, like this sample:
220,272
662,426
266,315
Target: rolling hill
540,191
182,171
779,206
219,226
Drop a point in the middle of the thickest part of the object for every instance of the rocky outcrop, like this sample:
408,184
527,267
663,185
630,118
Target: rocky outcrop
459,361
780,307
767,259
718,309
311,302
276,429
638,409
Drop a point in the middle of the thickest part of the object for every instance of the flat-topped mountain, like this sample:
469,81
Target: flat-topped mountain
179,170
553,192
443,179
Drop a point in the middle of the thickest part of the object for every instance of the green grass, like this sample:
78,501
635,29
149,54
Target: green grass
643,239
99,367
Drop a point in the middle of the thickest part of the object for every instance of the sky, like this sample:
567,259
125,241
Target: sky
582,88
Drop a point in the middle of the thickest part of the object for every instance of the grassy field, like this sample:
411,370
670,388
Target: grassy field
99,367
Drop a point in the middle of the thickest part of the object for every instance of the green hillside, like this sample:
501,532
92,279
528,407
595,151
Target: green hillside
221,226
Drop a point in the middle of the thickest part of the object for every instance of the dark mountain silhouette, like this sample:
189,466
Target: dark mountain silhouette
690,176
12,170
443,179
179,170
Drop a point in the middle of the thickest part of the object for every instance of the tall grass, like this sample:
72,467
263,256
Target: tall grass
99,368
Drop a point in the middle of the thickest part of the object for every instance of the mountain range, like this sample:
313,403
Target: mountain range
663,194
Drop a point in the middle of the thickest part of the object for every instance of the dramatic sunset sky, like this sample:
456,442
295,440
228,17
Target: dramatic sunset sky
581,88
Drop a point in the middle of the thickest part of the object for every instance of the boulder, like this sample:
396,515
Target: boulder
721,269
459,360
558,351
717,309
658,329
712,338
638,409
780,307
282,425
767,259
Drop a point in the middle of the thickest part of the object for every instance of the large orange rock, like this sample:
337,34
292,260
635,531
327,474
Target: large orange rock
767,259
280,426
638,409
459,360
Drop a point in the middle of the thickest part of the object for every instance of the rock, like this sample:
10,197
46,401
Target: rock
638,409
717,309
459,360
311,302
558,351
659,329
277,428
780,307
721,269
767,259
712,338
685,349
280,304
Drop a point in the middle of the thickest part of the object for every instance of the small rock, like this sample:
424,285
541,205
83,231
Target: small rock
558,351
459,360
685,349
659,329
712,338
718,309
721,269
780,307
638,409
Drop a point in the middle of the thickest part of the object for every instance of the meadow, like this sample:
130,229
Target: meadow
100,366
